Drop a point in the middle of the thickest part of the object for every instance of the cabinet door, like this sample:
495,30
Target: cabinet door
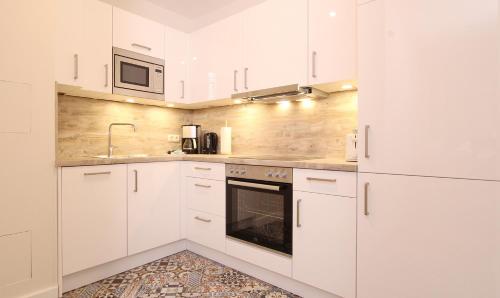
68,46
428,88
275,47
176,65
94,216
332,41
217,52
324,242
96,61
427,237
153,205
135,33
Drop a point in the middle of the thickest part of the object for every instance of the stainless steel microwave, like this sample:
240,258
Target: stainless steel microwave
138,75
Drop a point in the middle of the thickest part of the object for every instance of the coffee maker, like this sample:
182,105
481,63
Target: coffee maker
191,139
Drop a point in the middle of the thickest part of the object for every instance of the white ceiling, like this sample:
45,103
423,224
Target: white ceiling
193,9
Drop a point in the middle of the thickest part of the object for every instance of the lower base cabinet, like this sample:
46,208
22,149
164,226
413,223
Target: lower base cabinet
153,205
206,229
94,216
324,242
427,237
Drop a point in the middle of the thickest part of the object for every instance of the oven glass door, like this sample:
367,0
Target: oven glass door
260,212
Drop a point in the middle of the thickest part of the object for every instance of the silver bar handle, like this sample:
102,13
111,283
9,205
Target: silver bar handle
203,185
75,66
202,219
321,179
367,130
314,54
141,46
298,213
246,78
97,173
136,187
202,169
182,89
235,75
254,185
106,75
366,213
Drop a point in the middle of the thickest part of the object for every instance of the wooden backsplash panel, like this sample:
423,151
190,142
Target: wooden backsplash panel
83,127
317,129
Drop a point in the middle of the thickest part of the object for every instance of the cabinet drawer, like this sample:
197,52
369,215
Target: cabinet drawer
206,195
206,229
326,182
206,170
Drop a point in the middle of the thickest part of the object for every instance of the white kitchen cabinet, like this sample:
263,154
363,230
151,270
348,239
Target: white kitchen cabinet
206,229
135,33
206,195
176,66
427,237
153,205
324,242
332,41
428,95
94,216
275,44
216,62
84,44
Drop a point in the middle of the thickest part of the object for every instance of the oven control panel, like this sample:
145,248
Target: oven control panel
264,173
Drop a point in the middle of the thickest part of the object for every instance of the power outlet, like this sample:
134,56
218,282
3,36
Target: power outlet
173,138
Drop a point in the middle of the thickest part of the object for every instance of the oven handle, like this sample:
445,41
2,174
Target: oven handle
254,185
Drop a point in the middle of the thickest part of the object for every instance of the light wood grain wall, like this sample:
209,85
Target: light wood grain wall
316,129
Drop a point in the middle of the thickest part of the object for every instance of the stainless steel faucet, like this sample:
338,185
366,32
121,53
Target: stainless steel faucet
110,146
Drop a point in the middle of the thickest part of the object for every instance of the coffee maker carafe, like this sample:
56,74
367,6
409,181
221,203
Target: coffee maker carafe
191,139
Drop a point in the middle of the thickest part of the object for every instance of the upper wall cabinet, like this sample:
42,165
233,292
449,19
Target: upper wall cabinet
83,48
176,65
275,44
428,88
332,41
216,59
135,33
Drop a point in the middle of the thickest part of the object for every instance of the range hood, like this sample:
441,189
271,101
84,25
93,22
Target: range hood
293,91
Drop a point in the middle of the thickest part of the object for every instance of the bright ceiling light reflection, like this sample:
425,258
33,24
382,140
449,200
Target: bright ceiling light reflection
346,87
170,105
283,103
131,100
307,103
237,101
332,14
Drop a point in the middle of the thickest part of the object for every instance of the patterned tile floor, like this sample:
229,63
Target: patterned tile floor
184,274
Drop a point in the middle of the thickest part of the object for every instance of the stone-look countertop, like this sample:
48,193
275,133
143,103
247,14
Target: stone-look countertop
316,164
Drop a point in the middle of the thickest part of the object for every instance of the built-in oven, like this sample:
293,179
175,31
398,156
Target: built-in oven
138,75
259,206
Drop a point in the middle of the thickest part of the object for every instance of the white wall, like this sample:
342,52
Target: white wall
28,217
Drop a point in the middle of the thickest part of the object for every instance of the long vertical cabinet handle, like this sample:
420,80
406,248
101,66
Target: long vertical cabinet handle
365,212
182,89
314,54
75,67
246,78
106,75
136,187
367,130
235,87
298,213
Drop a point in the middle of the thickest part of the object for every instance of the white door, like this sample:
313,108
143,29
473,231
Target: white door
153,205
176,65
332,41
94,216
96,61
324,242
427,237
428,95
68,42
135,33
275,35
217,54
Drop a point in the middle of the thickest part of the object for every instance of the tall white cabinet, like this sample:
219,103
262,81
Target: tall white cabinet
176,66
428,95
